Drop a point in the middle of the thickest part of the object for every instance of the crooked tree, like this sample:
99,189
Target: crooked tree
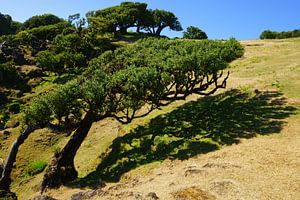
150,73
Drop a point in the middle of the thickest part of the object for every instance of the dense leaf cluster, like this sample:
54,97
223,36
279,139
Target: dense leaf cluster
7,25
193,32
151,72
41,20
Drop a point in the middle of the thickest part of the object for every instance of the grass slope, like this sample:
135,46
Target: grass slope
262,98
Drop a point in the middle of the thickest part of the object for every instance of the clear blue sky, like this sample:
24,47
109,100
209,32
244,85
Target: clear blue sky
220,19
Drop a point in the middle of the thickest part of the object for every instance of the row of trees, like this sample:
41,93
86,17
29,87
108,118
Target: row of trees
267,34
151,73
115,19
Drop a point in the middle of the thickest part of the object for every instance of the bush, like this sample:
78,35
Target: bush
9,75
51,61
41,20
35,167
47,60
48,32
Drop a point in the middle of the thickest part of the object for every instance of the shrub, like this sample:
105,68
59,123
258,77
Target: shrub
48,32
9,75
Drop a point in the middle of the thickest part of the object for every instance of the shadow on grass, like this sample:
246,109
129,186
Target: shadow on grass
197,127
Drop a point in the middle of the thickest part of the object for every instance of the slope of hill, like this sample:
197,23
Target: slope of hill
261,102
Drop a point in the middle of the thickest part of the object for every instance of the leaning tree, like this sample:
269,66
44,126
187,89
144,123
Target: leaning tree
148,74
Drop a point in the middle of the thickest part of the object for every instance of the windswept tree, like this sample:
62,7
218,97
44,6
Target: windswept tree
154,21
193,32
119,18
148,74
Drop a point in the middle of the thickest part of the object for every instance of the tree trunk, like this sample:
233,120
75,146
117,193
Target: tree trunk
62,169
159,30
5,177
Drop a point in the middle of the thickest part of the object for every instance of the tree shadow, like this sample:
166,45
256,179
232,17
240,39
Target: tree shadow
197,127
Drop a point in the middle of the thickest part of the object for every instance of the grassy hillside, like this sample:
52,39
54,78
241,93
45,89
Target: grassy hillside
262,98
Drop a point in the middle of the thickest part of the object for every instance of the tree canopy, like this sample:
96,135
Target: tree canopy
156,20
193,32
118,19
41,20
7,25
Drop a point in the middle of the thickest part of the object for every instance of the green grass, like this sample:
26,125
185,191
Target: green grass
35,167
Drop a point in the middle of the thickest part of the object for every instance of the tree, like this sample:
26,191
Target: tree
150,74
7,25
155,21
193,32
267,34
120,18
41,20
153,73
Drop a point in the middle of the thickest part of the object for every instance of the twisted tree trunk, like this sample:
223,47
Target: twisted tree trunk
61,168
7,169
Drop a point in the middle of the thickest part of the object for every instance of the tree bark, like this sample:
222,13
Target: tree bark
159,30
5,177
62,169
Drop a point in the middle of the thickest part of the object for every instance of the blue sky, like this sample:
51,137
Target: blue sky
220,19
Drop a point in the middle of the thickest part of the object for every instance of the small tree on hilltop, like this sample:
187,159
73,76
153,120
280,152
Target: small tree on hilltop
193,32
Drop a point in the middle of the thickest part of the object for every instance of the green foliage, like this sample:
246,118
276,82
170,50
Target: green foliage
48,32
35,167
119,18
267,34
193,32
9,76
38,113
64,101
128,78
50,61
41,20
156,20
67,43
94,90
7,25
